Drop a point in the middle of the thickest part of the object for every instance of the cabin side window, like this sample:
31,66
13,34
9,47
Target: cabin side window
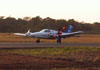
47,30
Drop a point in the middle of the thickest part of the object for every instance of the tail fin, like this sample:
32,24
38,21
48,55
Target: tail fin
69,30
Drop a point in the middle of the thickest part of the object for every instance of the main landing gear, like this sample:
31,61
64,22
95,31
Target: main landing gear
59,40
38,40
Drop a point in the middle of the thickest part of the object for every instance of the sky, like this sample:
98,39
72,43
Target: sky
80,10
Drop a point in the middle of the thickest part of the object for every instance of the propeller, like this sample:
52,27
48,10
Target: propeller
28,33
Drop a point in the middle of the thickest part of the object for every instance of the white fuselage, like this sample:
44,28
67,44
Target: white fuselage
45,33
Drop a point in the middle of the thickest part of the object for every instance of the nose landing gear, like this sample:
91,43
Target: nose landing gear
38,40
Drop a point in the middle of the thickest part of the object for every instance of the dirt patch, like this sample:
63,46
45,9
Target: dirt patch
13,61
10,61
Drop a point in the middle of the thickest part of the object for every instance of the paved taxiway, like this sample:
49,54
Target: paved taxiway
18,45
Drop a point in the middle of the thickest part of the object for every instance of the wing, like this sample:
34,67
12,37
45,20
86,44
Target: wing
21,34
65,35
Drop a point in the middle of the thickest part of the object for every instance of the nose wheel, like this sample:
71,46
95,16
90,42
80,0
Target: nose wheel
38,41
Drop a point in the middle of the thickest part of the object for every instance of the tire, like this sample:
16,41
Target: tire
38,41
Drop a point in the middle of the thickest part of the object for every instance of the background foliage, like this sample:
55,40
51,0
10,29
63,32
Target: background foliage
10,24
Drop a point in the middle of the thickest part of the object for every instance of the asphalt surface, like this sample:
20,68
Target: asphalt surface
19,45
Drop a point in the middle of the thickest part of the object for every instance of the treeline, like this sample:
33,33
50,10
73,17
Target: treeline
11,24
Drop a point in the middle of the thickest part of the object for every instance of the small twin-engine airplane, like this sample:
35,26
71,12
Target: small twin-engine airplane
50,34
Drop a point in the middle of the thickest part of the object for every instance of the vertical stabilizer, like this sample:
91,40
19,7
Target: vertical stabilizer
69,30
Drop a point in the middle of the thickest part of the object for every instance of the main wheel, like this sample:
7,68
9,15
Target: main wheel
59,40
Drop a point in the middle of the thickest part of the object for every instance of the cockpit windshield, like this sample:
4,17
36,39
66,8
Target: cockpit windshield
45,30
